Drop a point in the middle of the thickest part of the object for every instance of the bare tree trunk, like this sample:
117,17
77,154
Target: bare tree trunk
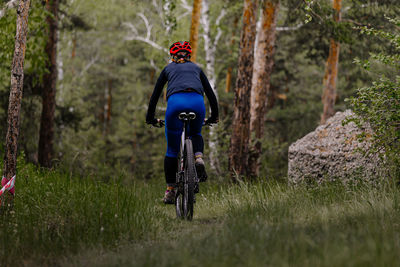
239,148
194,29
46,138
14,106
331,71
263,64
73,52
210,47
109,103
228,78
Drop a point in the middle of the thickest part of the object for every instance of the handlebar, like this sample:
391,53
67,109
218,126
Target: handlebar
161,123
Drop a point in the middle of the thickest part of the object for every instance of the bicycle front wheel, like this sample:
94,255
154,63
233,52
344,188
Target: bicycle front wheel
189,183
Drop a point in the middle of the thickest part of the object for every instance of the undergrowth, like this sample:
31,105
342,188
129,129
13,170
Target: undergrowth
55,214
72,221
273,224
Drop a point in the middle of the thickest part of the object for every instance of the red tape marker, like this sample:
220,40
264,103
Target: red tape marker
8,185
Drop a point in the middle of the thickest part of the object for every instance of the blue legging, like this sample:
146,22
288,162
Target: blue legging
177,103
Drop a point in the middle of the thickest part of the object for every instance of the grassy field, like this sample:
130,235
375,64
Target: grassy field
58,220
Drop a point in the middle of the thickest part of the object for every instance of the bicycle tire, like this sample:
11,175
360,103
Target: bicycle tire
189,183
179,194
179,205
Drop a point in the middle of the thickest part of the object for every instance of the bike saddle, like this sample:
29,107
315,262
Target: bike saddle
187,116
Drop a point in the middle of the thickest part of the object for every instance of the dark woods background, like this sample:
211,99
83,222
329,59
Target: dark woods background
110,54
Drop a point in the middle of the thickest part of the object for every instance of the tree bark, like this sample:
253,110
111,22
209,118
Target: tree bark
17,78
331,70
46,138
107,107
194,28
210,47
239,148
263,64
228,77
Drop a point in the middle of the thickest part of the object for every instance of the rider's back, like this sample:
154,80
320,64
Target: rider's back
182,76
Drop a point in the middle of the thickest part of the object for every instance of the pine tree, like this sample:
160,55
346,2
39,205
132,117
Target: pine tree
331,70
46,139
263,64
194,29
17,78
239,146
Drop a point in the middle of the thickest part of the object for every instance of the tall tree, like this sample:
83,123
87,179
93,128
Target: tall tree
239,147
49,88
331,70
228,77
210,48
194,28
263,64
107,107
14,106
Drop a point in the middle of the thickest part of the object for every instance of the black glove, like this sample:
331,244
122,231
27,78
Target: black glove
152,121
156,122
211,120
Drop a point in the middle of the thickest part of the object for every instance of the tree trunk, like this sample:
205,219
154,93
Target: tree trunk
210,47
73,52
239,148
194,29
331,70
17,79
228,78
46,138
263,64
107,107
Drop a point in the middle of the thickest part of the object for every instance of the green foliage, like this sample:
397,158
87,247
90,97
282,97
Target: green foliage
379,104
95,50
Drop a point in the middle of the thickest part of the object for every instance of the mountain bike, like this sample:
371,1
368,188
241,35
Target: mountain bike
186,177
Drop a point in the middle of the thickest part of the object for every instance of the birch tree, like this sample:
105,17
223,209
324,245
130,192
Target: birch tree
331,70
194,28
14,106
239,147
46,138
210,48
263,64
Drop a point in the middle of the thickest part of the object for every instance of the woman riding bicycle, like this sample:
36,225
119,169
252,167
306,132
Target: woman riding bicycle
187,84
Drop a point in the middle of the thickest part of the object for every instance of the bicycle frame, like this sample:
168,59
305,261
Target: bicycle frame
189,116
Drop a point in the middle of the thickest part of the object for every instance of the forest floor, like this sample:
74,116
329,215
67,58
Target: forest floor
62,221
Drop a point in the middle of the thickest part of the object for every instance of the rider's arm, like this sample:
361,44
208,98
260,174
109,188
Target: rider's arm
210,95
162,80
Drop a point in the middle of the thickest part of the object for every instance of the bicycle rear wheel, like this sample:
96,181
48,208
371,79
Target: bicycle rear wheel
179,205
189,181
180,192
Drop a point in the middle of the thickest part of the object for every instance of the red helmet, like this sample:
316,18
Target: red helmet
180,46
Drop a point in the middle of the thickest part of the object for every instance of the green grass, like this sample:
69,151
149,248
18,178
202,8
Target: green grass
54,215
270,224
58,220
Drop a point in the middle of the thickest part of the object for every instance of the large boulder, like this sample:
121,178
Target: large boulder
331,152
